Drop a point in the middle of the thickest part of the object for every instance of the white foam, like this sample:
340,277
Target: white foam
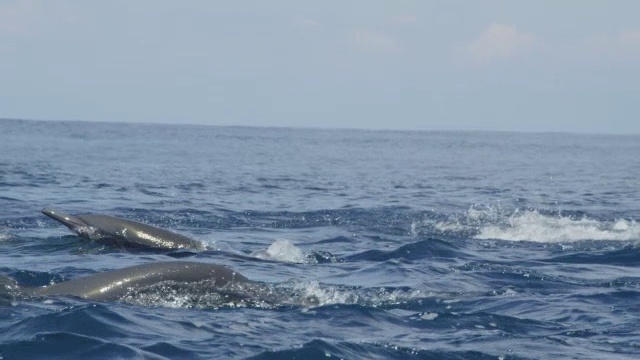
305,294
429,316
450,226
533,226
282,250
4,237
312,293
89,232
530,225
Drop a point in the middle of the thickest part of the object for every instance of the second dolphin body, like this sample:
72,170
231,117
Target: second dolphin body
113,285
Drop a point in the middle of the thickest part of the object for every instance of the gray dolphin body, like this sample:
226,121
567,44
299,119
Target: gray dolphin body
114,285
123,232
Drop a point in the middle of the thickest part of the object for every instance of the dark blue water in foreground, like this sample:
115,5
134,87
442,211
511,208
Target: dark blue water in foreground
413,245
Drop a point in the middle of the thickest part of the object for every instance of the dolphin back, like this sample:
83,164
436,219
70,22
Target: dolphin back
135,234
113,285
123,232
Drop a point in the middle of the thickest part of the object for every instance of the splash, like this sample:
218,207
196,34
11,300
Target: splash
88,232
304,295
282,250
5,237
531,225
315,294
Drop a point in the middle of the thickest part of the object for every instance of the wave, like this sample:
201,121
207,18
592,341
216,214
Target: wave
412,251
321,349
65,345
533,225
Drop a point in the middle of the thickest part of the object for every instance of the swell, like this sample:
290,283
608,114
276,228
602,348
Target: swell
322,349
422,249
627,255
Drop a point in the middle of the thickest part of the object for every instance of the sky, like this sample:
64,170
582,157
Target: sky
505,65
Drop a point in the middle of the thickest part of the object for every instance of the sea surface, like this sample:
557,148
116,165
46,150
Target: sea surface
377,244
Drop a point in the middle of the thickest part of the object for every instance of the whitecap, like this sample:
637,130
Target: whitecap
496,223
533,226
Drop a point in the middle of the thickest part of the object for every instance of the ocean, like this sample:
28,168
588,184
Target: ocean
380,244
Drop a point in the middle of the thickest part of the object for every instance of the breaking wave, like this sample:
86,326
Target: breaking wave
532,225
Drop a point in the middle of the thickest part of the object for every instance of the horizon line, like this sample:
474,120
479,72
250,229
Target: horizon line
311,127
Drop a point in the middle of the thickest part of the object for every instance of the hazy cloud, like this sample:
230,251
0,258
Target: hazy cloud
630,38
16,17
305,22
35,17
366,40
625,44
497,42
403,19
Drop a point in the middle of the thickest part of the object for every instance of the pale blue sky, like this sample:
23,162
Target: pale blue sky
434,65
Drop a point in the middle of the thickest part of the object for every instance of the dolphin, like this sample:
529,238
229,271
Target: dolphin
114,285
122,231
163,278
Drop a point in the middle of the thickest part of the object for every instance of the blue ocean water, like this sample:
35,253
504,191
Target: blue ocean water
412,245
